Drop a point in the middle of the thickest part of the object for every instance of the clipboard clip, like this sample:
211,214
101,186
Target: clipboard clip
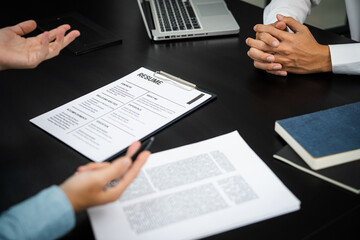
188,86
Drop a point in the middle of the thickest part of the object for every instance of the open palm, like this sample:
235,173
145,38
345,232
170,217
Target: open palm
17,51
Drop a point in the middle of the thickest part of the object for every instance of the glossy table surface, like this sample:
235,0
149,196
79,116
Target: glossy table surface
248,100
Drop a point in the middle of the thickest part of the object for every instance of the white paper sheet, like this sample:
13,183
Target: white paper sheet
104,122
195,191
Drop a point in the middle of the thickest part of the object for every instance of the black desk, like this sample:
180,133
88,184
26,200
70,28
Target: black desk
248,100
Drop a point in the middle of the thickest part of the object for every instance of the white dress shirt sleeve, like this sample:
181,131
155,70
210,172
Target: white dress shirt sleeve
353,15
345,58
297,9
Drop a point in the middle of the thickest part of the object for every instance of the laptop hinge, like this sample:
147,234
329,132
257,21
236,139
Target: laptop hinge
147,11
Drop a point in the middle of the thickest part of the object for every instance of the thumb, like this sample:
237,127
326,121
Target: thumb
294,25
24,27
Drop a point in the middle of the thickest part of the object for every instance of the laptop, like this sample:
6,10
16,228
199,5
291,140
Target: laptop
176,19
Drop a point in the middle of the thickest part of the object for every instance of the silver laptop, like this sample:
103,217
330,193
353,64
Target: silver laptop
175,19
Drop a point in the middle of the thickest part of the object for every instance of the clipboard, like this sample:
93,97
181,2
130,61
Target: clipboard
155,100
181,83
92,35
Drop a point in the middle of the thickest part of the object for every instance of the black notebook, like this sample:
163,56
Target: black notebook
345,175
92,36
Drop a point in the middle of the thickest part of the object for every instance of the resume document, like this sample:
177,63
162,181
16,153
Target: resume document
106,121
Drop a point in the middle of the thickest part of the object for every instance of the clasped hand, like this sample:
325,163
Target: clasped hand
280,52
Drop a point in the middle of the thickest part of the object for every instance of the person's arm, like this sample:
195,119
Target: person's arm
345,58
50,213
297,9
47,215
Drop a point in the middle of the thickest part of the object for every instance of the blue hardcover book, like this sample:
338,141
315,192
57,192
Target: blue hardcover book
324,138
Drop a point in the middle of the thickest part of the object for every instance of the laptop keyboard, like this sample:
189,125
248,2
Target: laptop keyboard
176,15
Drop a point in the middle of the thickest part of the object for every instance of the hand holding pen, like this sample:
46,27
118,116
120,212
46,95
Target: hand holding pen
144,147
89,186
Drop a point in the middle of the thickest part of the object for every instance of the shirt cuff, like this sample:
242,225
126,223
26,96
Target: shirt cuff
345,58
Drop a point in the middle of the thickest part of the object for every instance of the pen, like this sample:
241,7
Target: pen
144,146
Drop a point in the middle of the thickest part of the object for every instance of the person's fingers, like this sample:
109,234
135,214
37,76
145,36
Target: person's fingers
115,170
24,27
137,165
278,73
116,191
119,166
267,66
273,31
54,32
294,25
258,44
135,168
92,166
258,55
56,46
61,41
133,148
268,39
44,50
60,35
281,25
70,37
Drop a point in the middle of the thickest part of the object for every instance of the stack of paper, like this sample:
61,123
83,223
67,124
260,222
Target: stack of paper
195,191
